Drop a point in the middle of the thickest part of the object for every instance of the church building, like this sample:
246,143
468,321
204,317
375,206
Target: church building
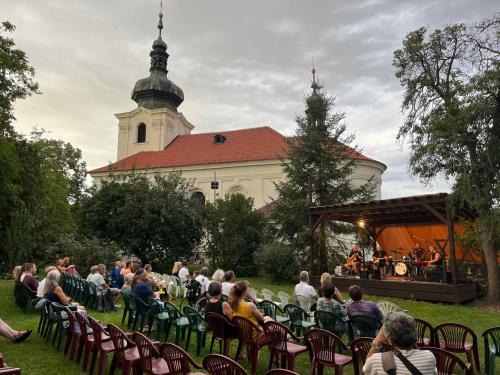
156,138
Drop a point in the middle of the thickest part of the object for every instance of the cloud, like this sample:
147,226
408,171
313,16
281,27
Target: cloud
240,64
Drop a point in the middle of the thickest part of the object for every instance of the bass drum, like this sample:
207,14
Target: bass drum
400,269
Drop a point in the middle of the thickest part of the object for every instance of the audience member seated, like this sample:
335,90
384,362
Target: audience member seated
247,310
304,289
400,333
217,276
148,269
98,280
41,286
229,280
68,267
203,280
215,303
16,273
359,307
127,281
127,269
28,276
184,272
140,286
54,293
326,279
116,278
176,269
93,270
328,303
13,335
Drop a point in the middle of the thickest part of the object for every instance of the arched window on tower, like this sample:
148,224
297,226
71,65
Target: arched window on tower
141,133
198,197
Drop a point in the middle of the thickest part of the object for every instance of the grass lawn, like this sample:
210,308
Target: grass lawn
36,357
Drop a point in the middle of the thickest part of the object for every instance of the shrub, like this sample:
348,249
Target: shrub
85,252
277,261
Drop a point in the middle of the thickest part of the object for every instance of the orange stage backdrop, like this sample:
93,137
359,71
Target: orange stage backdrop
406,237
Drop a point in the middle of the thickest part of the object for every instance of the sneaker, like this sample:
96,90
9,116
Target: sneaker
21,336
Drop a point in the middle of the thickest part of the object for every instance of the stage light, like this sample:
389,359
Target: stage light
361,223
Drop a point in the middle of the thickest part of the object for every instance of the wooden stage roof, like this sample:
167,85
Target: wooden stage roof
429,209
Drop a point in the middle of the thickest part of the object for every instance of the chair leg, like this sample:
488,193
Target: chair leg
290,362
93,360
199,341
271,357
103,356
238,350
86,354
212,344
253,357
188,339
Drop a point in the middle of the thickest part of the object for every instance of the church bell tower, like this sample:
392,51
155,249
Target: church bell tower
156,121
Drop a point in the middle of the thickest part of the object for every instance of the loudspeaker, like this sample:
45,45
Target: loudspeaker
363,274
437,276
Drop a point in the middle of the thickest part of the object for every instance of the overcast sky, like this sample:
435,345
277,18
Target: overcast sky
240,63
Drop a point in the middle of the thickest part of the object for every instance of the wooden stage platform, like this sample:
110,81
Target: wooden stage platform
418,290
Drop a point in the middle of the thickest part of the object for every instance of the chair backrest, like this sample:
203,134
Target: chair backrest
154,307
446,362
492,334
252,292
146,349
177,359
219,325
323,344
326,320
284,298
97,330
267,294
305,303
217,364
386,307
454,336
247,330
73,324
120,340
296,314
360,348
422,328
366,325
193,316
201,305
281,371
173,311
269,308
83,323
141,305
279,334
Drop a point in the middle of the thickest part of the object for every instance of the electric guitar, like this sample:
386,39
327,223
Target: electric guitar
376,260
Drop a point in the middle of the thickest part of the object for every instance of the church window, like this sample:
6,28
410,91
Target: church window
219,139
198,197
141,133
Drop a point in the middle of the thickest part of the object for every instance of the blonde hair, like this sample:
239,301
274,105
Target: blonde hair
51,281
238,291
177,267
326,278
16,272
218,275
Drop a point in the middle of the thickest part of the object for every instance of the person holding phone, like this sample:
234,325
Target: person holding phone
399,334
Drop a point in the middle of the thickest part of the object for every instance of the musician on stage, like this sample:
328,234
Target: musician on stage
380,258
354,259
418,253
437,259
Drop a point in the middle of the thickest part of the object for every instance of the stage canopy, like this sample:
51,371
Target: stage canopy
402,222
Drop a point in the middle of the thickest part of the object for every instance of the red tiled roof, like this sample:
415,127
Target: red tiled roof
243,145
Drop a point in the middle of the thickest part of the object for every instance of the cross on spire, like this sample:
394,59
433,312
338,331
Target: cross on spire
314,84
160,22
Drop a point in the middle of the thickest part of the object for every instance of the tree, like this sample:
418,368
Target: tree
318,169
152,219
451,78
234,231
16,79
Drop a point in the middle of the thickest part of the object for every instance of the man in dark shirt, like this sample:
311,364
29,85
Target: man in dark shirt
418,252
28,276
379,259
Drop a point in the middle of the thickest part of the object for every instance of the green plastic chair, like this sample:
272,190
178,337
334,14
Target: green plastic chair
27,298
491,349
363,326
157,313
271,309
175,319
329,321
129,306
141,313
196,324
93,296
298,319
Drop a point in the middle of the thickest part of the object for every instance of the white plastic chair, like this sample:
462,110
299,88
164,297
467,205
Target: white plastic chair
284,298
386,307
267,294
306,303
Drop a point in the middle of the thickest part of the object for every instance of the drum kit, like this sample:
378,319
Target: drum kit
405,265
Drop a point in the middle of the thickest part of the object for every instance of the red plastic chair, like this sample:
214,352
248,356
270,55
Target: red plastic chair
102,344
281,371
247,331
87,338
422,340
74,336
10,371
126,354
452,337
446,362
217,364
222,330
178,360
150,359
323,344
359,349
281,344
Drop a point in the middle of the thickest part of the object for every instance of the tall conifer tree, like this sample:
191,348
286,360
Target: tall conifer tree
318,167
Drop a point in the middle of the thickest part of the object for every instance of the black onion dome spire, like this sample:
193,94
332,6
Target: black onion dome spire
157,91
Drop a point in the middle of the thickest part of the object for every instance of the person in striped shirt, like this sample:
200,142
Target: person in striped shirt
400,334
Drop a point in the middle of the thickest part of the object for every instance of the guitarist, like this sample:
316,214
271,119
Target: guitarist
380,258
354,259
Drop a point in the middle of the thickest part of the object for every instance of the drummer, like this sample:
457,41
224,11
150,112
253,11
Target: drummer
418,253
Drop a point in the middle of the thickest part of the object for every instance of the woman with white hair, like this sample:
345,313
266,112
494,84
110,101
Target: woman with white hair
217,276
54,293
400,334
